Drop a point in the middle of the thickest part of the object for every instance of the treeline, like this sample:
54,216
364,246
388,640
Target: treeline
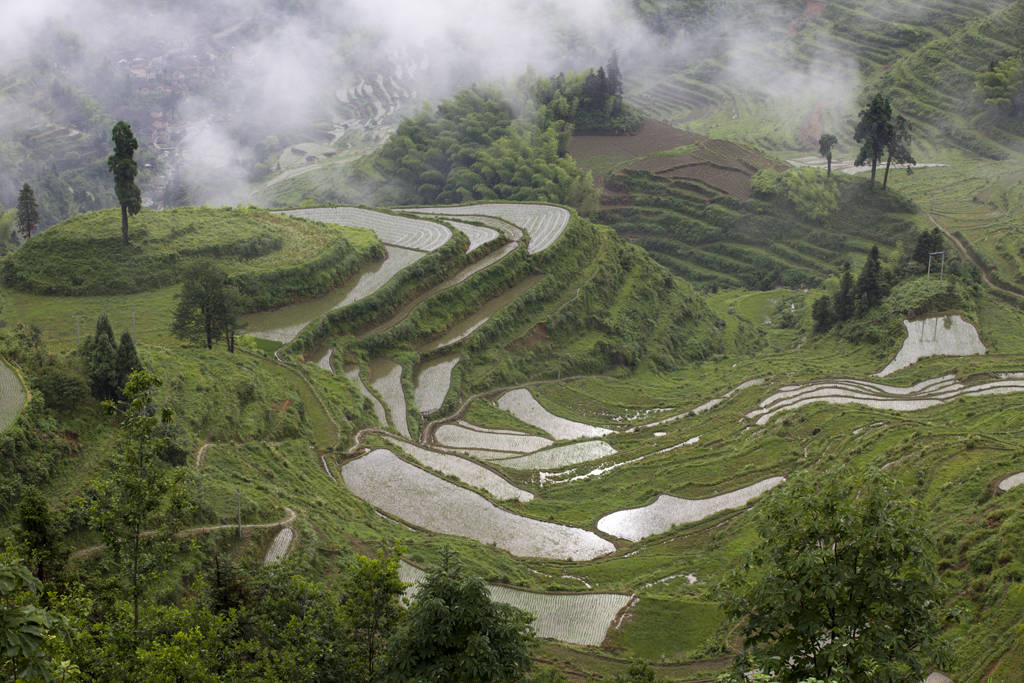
591,101
853,305
472,147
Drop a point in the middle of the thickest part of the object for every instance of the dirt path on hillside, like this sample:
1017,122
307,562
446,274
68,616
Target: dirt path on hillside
967,255
194,531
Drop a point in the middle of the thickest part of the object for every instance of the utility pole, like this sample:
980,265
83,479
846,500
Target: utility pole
942,271
239,493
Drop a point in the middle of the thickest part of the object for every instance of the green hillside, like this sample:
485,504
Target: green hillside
582,361
273,258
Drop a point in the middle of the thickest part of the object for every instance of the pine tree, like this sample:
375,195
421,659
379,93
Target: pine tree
28,212
873,131
842,305
127,360
100,357
869,284
822,313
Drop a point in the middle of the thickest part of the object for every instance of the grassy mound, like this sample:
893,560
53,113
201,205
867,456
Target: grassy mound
272,257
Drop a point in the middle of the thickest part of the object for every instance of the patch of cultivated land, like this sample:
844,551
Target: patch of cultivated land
399,231
284,324
460,437
467,471
478,235
279,547
942,336
558,457
12,396
926,394
386,378
471,323
522,404
578,618
431,383
603,153
1012,481
542,222
669,511
398,488
352,372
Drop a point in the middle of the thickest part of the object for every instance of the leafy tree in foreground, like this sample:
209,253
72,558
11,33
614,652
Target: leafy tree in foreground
38,535
454,632
873,131
28,212
373,606
825,144
122,164
142,502
26,630
842,586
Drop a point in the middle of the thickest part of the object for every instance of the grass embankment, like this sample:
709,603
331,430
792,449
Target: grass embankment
923,53
982,205
797,236
273,258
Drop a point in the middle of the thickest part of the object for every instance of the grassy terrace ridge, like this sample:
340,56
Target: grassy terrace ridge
272,257
797,232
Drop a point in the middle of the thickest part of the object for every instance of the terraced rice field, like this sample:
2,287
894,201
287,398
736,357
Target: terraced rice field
578,618
926,394
284,324
1012,481
479,317
12,395
385,377
352,372
458,278
559,456
542,222
467,471
942,336
324,361
462,437
279,547
399,231
669,511
522,404
847,166
405,491
708,405
478,235
431,383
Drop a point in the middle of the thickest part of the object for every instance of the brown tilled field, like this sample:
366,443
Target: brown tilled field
723,166
601,153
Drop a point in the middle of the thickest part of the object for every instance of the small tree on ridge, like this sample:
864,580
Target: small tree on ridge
122,164
825,143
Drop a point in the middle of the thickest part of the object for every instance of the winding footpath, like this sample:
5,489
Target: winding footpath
967,255
193,531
